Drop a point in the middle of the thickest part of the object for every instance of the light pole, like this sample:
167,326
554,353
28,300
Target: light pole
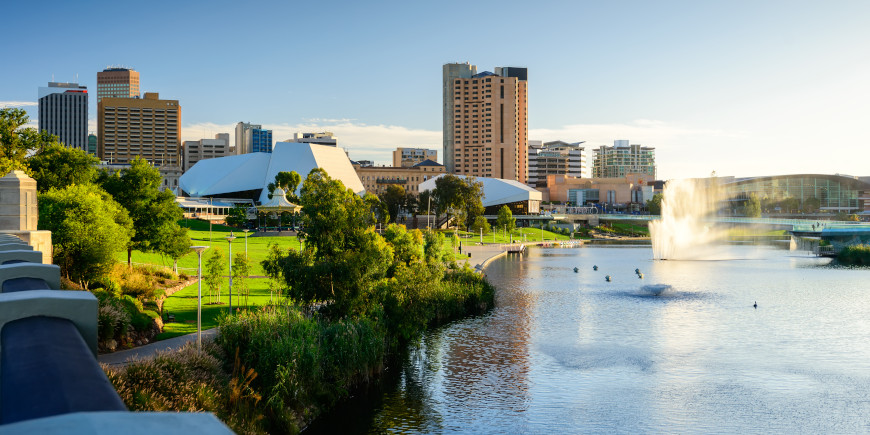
199,250
246,242
230,239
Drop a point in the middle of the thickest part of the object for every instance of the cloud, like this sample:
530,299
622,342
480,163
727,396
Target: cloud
9,104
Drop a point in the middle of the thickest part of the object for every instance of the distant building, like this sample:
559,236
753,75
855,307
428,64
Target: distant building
618,191
147,127
63,111
376,179
247,176
520,198
92,144
486,122
321,138
623,159
364,163
252,138
802,193
555,158
117,83
407,157
196,150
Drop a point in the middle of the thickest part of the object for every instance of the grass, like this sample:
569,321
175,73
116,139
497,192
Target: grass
531,235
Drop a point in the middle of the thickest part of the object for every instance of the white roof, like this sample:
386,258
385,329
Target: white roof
495,190
256,170
279,201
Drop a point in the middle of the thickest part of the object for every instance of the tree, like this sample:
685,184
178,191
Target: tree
752,208
407,245
288,182
56,166
214,273
393,199
237,216
480,225
461,195
505,219
153,211
241,271
812,205
175,244
654,205
87,227
17,141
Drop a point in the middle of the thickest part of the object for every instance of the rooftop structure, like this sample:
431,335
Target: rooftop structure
196,150
407,157
248,175
376,179
520,198
321,138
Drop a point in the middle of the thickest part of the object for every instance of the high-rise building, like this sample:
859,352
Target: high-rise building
92,144
486,122
407,157
63,111
114,82
252,138
196,150
451,72
555,158
147,127
623,159
321,138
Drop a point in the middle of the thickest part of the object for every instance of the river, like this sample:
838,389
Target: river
566,352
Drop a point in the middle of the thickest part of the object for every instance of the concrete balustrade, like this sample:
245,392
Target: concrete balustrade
50,273
15,247
78,307
20,255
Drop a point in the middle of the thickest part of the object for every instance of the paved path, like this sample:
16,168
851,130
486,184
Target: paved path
121,358
480,253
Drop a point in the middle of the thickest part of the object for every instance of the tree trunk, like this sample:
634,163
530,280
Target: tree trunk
130,257
175,266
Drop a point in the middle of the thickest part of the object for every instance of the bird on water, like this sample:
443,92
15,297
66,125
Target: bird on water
755,305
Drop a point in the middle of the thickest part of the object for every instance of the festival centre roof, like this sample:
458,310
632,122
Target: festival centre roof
225,175
496,190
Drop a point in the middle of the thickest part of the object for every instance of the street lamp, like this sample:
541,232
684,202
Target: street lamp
199,250
246,242
230,239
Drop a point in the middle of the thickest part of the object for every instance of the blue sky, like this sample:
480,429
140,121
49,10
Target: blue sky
742,88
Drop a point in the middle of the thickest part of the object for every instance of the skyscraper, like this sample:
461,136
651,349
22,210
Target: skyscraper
147,127
63,111
486,122
252,138
114,82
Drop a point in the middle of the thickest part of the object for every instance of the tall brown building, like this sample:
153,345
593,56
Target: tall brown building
148,127
117,83
489,135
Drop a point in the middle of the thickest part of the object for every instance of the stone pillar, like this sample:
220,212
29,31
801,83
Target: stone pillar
19,213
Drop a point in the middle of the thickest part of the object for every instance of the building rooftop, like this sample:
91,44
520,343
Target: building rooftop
427,162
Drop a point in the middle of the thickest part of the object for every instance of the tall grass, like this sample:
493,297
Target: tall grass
855,255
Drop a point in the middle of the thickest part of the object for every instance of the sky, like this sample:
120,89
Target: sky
742,88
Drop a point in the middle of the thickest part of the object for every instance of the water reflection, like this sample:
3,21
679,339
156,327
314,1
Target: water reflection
569,352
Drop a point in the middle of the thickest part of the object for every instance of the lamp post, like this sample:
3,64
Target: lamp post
246,242
230,239
199,250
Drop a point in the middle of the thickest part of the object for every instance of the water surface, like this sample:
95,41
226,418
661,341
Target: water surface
569,352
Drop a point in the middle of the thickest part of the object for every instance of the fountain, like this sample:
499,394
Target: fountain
685,231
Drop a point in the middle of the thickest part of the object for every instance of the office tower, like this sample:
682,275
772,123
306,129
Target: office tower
486,122
92,144
196,150
63,111
451,72
114,82
252,138
623,159
555,158
407,157
148,127
321,138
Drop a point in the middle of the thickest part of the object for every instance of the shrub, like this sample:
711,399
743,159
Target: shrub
112,318
856,255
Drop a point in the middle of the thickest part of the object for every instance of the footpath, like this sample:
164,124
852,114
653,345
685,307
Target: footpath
481,255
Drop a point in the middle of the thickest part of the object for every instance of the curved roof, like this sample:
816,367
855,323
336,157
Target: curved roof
495,190
256,170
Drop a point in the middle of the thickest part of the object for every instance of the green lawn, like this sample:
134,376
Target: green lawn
183,306
183,303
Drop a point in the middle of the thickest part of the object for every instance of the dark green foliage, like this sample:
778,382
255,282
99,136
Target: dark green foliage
288,182
655,204
154,212
87,227
752,207
17,141
394,199
56,166
461,195
505,220
480,224
856,255
237,216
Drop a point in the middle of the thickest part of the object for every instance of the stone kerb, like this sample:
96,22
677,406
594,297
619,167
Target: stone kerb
50,273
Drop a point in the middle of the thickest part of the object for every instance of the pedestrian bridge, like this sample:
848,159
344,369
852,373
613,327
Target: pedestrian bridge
811,225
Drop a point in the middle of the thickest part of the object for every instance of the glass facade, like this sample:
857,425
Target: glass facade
261,141
833,193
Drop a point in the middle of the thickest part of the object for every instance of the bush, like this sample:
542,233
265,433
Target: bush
856,255
113,319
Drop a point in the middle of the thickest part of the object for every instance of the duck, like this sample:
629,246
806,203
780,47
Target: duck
607,278
594,267
755,305
576,270
640,275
